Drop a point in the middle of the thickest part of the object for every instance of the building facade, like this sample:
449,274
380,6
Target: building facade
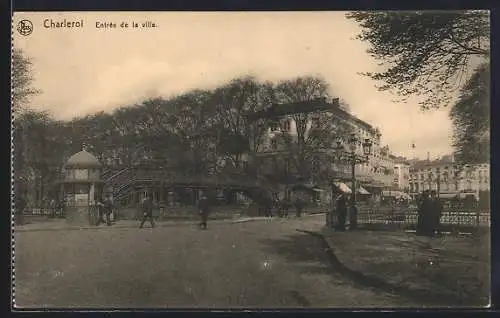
376,173
402,175
449,178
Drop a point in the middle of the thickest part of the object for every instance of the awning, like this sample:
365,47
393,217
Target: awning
390,193
374,185
362,190
343,187
468,194
448,195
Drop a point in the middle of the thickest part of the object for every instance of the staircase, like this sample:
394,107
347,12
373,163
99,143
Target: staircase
122,182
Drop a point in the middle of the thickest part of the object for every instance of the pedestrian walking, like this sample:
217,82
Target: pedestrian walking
62,206
267,205
203,210
147,211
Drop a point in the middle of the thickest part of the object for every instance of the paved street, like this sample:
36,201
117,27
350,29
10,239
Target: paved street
249,264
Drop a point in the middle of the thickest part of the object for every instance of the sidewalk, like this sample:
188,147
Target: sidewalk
61,225
455,271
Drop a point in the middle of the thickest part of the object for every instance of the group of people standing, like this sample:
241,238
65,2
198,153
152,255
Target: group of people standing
339,209
429,214
106,207
269,202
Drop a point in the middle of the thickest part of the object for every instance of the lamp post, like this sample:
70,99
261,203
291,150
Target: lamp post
438,182
353,158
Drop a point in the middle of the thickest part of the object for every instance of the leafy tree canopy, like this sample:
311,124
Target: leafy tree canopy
471,118
425,53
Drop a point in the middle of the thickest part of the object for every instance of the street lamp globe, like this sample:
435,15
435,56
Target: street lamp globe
367,147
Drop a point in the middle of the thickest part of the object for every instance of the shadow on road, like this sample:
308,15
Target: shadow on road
304,251
305,246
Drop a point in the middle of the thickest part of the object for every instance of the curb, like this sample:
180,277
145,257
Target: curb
372,281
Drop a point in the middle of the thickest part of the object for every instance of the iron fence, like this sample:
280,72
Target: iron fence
43,212
452,220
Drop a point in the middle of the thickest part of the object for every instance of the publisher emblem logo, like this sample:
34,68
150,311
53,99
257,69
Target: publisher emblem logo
25,27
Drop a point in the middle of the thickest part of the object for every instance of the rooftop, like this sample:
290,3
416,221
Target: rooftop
83,159
317,105
419,164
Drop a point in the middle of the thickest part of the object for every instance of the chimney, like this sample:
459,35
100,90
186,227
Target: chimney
428,156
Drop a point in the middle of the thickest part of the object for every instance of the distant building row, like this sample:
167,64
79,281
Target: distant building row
449,178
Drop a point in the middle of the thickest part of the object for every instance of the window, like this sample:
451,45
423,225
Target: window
274,144
81,174
315,163
285,125
469,185
273,126
315,123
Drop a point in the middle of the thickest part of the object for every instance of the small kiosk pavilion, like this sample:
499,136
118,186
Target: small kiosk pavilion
81,187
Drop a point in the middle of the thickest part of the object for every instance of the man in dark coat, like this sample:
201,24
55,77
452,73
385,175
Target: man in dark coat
147,211
437,210
107,208
299,205
203,210
425,225
267,205
341,209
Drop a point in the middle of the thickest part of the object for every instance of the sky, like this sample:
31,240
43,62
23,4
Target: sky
82,70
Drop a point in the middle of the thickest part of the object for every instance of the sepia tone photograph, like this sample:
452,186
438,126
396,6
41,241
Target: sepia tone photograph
250,160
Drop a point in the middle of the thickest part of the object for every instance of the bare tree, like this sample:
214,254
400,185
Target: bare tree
22,82
315,131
